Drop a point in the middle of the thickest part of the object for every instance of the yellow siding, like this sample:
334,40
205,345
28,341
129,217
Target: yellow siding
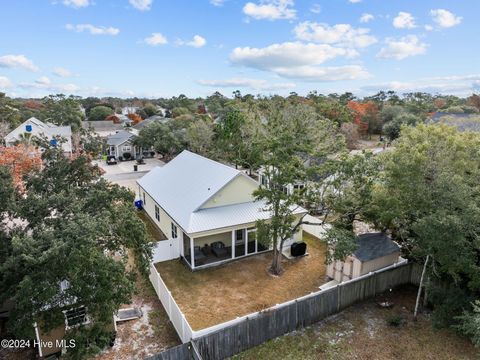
225,237
238,191
165,223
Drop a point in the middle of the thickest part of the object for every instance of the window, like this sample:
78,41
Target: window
157,213
239,235
76,317
144,200
126,148
174,231
264,180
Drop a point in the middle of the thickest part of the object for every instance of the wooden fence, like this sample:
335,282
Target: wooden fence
299,313
227,339
180,352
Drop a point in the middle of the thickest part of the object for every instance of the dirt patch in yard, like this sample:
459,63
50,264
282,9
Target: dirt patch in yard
363,332
212,296
146,336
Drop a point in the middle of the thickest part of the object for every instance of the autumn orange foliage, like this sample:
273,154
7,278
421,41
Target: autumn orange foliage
135,118
360,110
114,118
21,160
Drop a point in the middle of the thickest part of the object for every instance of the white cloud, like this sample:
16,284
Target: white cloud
287,54
355,1
271,10
217,2
5,83
255,84
445,18
197,42
404,20
316,9
321,74
17,61
365,18
142,5
45,85
43,80
76,4
429,27
62,72
156,39
341,34
402,48
94,30
297,60
462,85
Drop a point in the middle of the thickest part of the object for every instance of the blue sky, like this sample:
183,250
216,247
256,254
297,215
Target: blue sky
153,48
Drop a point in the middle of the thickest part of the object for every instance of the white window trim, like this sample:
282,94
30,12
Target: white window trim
68,327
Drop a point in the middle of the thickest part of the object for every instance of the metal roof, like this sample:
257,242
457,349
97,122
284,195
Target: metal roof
183,185
231,215
374,245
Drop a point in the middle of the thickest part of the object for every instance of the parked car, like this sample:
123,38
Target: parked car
111,160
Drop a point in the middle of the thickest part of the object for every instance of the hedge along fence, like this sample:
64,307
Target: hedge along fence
232,337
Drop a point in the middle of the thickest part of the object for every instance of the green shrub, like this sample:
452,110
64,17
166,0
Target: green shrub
395,320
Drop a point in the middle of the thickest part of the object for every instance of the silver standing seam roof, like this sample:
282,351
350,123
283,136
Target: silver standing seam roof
187,182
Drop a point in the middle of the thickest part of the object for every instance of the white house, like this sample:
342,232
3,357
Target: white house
34,127
206,209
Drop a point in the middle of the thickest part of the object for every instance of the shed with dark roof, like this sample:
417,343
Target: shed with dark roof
375,251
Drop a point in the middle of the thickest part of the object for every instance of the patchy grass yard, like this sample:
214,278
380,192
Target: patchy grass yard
363,332
211,296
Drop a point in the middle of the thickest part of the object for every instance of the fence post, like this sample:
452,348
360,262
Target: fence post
339,295
296,314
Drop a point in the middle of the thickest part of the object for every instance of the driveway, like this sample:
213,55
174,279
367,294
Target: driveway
122,173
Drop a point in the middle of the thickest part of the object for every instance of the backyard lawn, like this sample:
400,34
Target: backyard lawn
212,296
363,331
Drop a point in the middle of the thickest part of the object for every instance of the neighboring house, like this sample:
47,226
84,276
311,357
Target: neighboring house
206,209
463,122
129,110
34,127
298,185
121,146
52,343
103,128
152,119
375,251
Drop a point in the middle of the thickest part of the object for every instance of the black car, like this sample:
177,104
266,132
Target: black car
111,160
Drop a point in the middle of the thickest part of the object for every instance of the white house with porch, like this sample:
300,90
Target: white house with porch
206,210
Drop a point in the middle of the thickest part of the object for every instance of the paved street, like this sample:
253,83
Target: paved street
123,174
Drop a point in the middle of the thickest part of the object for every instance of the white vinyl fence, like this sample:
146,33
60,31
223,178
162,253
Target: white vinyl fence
316,230
177,318
165,250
